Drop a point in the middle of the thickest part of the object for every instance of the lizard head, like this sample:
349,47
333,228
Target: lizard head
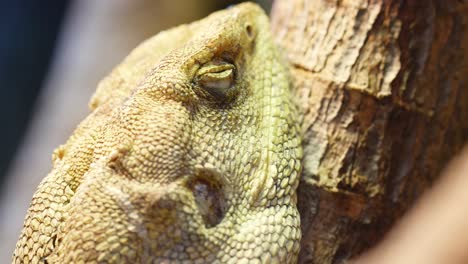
198,155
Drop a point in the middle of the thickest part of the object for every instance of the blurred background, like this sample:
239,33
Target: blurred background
52,55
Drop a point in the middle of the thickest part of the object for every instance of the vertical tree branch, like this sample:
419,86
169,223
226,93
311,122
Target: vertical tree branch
383,89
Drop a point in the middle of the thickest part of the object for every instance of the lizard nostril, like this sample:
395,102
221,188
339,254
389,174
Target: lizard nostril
209,198
249,30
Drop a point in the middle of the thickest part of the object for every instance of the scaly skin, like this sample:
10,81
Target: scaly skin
191,154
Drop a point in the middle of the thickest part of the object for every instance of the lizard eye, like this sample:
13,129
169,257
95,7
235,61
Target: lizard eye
216,77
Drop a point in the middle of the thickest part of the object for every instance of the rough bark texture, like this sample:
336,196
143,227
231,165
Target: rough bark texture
383,86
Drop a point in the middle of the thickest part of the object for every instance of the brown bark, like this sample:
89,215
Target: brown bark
382,85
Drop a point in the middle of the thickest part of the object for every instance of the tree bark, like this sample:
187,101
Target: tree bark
382,86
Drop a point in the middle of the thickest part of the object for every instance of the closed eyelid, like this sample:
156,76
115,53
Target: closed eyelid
215,68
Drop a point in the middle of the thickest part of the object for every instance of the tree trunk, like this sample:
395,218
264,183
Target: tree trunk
382,85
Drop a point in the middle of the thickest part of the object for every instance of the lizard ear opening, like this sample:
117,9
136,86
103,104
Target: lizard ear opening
209,198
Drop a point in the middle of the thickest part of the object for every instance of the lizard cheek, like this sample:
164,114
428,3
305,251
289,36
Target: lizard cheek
210,201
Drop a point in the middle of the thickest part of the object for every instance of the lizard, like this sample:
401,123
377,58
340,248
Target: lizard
191,154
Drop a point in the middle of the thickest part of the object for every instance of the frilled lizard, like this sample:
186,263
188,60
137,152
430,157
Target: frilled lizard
191,154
